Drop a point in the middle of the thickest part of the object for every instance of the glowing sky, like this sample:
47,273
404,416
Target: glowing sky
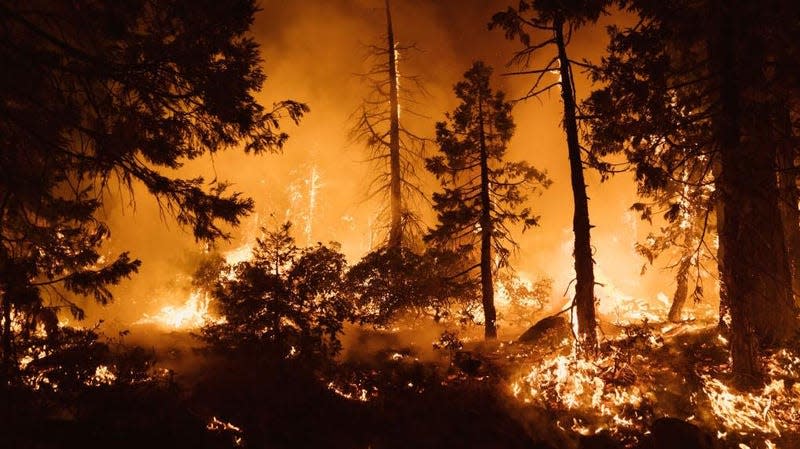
312,49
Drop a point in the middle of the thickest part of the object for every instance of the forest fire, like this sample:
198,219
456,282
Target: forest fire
620,392
242,224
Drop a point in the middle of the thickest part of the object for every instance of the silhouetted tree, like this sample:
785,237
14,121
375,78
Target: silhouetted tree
285,302
686,236
98,92
558,20
394,148
687,90
392,284
483,193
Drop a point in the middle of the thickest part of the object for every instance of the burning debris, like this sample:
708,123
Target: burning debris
216,425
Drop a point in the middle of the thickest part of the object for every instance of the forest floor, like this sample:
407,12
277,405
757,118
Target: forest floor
652,386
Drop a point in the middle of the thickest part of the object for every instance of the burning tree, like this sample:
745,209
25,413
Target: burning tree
286,301
688,206
558,20
391,142
482,192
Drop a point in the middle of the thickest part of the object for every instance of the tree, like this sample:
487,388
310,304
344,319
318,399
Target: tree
709,107
285,302
393,146
558,20
686,235
392,284
483,193
94,93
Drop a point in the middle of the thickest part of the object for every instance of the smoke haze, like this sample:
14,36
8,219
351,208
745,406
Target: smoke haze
312,51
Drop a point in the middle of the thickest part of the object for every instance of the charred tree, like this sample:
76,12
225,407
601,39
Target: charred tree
395,150
487,229
482,193
788,153
756,269
681,289
395,178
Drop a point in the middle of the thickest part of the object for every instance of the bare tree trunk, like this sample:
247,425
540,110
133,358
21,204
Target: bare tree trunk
789,196
395,177
744,343
487,284
719,212
756,272
584,264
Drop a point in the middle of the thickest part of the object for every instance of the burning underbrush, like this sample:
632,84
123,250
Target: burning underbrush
654,371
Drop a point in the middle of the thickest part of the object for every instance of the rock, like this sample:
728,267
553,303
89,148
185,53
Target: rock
555,327
669,433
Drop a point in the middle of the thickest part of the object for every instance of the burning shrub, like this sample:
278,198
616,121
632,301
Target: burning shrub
519,300
286,301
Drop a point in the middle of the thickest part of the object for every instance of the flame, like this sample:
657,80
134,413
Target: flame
191,314
569,382
220,426
102,376
620,393
350,392
313,188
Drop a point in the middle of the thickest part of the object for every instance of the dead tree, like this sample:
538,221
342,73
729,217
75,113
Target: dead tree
393,147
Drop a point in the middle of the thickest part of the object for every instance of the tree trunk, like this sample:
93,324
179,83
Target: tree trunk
584,264
756,272
789,196
395,177
7,344
719,212
487,284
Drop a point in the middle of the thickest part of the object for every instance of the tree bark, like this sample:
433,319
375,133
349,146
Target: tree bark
487,284
719,212
395,177
789,196
756,272
584,264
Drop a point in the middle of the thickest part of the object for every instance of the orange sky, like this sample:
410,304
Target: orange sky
312,49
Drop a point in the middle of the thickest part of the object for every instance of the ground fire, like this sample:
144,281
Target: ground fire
400,224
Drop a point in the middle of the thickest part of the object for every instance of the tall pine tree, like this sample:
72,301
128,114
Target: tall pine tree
482,193
556,21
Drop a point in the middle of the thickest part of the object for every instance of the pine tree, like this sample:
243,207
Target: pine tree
558,20
283,301
106,93
482,193
687,90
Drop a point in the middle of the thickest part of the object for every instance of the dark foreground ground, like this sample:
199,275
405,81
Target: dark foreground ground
388,399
